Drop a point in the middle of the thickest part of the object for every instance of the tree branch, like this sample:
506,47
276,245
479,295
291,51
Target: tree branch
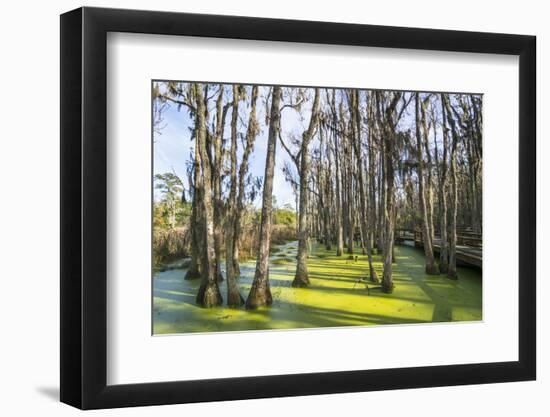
295,158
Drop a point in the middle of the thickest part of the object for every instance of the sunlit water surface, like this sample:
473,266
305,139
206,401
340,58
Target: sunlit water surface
335,297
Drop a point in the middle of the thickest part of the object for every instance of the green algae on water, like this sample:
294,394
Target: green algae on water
336,297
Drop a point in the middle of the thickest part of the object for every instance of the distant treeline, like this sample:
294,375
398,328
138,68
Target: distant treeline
172,237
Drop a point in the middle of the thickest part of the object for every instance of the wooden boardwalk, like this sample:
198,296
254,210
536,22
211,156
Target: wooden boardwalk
469,250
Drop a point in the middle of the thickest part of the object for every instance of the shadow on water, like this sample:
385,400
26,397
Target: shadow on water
336,296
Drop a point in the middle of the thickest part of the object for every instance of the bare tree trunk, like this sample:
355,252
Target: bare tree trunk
301,279
389,211
260,293
217,181
234,298
356,123
429,180
471,152
209,292
444,250
452,273
339,215
323,217
251,133
348,187
387,277
381,197
371,169
328,193
431,266
194,271
476,120
348,183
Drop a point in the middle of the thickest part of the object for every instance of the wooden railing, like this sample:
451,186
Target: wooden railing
469,244
464,237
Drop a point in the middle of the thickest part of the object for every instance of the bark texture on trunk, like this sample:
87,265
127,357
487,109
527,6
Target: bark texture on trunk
260,293
339,211
234,298
387,276
209,292
365,227
389,209
301,279
221,111
431,266
428,168
371,170
194,271
452,273
444,251
251,133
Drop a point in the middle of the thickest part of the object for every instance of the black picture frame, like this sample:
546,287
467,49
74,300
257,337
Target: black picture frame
84,207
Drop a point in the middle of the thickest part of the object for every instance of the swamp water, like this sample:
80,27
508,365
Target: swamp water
334,299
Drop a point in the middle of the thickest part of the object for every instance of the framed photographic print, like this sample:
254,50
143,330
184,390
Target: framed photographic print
256,208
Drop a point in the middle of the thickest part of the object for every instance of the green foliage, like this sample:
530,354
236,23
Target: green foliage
284,216
169,185
172,210
169,216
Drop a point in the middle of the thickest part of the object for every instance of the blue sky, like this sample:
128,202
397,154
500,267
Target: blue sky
173,147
